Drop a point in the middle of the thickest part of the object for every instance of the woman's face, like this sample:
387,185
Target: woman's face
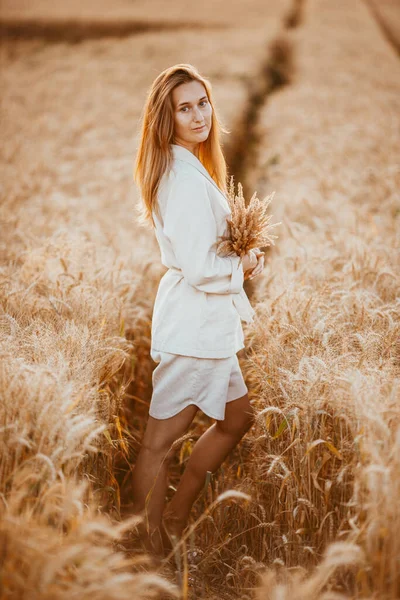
191,110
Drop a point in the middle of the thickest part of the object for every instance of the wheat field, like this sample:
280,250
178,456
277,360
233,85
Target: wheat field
306,507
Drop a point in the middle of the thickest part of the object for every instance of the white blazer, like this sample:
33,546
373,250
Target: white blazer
200,300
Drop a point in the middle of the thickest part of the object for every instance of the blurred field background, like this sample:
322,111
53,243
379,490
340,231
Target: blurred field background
386,12
310,93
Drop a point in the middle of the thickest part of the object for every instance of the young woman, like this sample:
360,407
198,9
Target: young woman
200,302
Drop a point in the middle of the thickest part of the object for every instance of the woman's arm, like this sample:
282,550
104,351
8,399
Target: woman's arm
190,226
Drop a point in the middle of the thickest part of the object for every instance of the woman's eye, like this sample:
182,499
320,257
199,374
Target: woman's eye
202,102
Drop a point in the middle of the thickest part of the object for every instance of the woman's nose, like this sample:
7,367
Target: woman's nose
197,115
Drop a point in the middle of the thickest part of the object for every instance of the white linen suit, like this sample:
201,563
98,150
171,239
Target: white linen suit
200,301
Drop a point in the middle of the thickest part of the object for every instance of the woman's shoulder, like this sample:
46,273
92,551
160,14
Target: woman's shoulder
179,173
181,169
182,185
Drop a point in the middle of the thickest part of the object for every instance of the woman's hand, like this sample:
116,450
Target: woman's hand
257,269
249,261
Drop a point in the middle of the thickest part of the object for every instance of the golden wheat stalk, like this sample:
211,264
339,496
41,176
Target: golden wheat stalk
249,226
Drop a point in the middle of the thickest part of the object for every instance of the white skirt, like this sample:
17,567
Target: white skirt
180,380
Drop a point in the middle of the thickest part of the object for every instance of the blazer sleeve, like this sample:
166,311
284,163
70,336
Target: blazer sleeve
191,228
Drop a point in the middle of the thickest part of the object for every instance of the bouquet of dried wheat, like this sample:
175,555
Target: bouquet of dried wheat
249,226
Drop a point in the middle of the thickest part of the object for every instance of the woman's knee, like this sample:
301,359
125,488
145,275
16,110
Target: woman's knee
239,421
161,434
160,448
248,418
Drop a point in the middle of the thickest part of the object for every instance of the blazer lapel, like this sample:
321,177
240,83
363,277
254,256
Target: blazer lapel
182,153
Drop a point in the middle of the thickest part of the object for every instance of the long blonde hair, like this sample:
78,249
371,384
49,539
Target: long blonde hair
154,154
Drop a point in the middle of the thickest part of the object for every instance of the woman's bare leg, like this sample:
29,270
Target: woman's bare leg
151,471
208,454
